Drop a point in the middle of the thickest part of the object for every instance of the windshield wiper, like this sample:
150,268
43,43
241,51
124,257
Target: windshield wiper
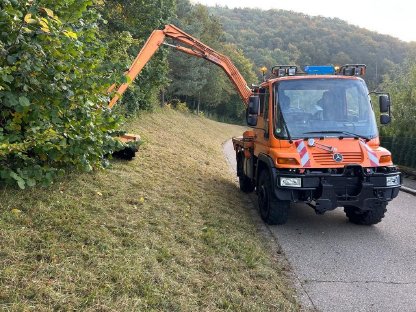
285,125
339,131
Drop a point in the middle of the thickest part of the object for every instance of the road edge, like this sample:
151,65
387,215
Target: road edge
408,190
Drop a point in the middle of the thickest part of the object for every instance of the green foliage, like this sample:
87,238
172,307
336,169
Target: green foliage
181,107
401,84
280,37
52,77
400,136
198,82
139,18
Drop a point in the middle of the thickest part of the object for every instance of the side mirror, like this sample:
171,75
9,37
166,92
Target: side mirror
385,119
251,120
384,101
254,105
253,110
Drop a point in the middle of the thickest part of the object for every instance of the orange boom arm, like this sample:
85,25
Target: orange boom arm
190,46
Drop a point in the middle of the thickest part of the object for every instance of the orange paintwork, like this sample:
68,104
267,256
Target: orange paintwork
128,137
352,151
249,134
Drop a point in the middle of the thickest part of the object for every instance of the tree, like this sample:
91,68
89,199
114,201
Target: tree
196,80
401,84
139,18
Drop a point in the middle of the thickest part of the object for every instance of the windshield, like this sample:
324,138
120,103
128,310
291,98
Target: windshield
324,108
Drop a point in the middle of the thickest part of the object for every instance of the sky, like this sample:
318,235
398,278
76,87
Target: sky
391,17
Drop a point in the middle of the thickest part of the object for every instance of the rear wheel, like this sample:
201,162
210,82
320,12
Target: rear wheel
246,184
366,217
272,210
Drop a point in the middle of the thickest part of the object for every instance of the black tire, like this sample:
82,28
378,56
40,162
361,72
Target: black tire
367,217
126,153
246,184
272,210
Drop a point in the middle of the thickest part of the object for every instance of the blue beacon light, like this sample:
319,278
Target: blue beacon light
319,70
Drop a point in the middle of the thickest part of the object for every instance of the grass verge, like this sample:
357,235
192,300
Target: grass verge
168,231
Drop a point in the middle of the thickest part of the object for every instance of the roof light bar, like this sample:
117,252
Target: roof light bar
284,70
352,70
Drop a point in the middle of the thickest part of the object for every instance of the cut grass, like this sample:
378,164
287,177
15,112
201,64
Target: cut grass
168,231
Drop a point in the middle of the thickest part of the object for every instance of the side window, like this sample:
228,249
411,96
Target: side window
264,102
266,112
266,106
262,96
353,105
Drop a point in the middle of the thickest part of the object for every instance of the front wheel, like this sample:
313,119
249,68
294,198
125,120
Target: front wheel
246,184
367,217
272,210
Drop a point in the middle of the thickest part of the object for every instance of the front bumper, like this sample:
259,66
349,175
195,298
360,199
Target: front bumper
327,191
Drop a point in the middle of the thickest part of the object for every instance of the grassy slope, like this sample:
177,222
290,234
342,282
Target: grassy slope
168,231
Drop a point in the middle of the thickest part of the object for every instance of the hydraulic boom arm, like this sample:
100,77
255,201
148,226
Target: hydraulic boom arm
190,46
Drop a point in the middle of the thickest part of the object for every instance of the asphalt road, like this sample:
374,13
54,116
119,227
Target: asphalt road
341,266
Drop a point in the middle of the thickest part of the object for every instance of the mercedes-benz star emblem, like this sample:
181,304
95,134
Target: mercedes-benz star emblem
337,157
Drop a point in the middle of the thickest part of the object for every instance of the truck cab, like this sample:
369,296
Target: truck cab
314,139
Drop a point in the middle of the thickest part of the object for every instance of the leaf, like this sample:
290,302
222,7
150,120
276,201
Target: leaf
70,34
27,17
10,100
11,59
44,24
21,183
49,12
18,179
31,182
14,175
24,101
7,78
29,20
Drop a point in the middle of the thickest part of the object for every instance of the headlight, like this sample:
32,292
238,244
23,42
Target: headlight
393,180
292,182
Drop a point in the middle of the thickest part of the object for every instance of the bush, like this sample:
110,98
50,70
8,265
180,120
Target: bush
182,107
53,111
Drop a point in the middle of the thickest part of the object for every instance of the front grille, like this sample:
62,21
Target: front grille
326,159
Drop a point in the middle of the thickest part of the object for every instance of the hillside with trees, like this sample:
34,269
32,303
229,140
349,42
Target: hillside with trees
284,37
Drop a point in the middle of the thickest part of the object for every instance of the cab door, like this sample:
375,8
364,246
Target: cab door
262,130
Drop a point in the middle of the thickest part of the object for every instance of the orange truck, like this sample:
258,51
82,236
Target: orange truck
314,136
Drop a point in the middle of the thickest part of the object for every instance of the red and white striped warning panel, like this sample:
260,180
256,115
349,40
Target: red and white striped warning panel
303,153
372,156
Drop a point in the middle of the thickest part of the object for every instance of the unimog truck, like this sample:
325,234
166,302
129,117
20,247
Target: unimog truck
315,140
